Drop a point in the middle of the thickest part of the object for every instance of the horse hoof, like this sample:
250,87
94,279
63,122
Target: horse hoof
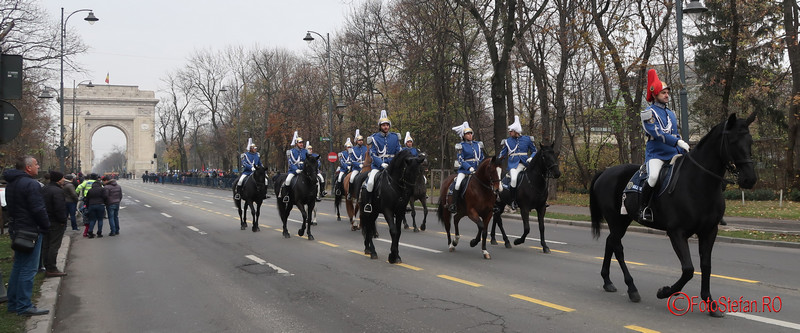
716,314
405,226
256,229
664,292
416,229
519,241
373,256
310,237
474,242
487,256
546,249
301,232
493,242
634,296
452,248
313,223
286,235
422,227
610,288
352,228
338,218
508,245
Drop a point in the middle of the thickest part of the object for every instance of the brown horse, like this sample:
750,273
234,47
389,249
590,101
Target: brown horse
351,201
477,203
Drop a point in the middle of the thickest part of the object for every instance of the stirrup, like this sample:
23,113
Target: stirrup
646,215
237,197
514,205
368,208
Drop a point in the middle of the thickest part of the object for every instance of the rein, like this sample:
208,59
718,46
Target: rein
730,164
485,185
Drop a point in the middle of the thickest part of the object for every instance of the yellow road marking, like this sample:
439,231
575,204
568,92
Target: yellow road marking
556,251
640,329
543,303
415,268
328,244
455,279
626,261
359,253
729,278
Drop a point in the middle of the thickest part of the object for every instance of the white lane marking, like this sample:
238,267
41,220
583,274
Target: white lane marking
409,245
165,214
197,230
765,320
536,239
208,202
172,194
137,200
264,262
148,206
186,197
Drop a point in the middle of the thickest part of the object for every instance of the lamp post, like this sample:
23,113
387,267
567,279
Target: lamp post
308,38
75,119
694,7
91,19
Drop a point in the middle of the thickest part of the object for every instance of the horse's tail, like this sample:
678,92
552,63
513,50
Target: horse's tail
337,197
594,207
442,200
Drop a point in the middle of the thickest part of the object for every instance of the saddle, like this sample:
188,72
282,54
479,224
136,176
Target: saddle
462,188
667,177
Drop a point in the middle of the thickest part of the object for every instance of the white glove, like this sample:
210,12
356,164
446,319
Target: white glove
384,165
298,171
471,170
683,145
529,159
360,165
252,168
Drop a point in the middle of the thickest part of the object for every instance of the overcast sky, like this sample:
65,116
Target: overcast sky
137,42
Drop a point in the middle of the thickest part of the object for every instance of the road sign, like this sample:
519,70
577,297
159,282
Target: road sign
10,122
332,157
323,139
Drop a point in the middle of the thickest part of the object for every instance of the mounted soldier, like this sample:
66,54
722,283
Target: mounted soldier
320,185
250,159
345,161
383,145
520,150
469,154
409,145
296,157
663,140
357,156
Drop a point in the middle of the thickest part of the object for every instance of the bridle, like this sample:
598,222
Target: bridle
730,164
492,180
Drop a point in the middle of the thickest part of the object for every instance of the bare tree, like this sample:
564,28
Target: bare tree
791,21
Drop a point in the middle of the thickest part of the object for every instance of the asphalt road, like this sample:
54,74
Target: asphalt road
181,264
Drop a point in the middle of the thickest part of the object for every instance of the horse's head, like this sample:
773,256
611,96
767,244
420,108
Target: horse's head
260,174
490,171
405,166
311,166
736,149
549,160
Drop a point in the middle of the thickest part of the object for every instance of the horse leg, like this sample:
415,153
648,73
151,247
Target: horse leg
239,209
284,212
424,214
312,209
498,221
525,212
413,217
445,217
256,215
302,230
456,219
394,231
606,267
540,212
486,219
681,246
244,216
617,248
706,244
369,234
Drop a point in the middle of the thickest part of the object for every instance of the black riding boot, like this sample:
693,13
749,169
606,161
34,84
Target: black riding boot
513,197
238,195
453,208
645,213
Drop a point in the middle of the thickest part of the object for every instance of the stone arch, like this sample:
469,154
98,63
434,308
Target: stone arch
126,108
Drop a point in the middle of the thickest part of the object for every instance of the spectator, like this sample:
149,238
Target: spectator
71,198
113,194
56,206
26,209
96,203
82,190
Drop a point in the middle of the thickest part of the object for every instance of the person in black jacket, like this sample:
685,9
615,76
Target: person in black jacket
55,202
96,202
27,211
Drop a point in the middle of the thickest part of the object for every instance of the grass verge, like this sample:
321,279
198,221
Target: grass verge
11,322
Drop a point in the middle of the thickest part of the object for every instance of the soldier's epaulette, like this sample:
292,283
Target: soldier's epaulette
480,144
369,140
503,143
458,146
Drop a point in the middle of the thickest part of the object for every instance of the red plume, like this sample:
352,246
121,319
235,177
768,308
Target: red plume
654,85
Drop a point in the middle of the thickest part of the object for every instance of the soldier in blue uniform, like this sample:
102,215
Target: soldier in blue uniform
320,190
469,156
383,145
250,159
357,156
663,140
409,145
344,162
520,149
296,157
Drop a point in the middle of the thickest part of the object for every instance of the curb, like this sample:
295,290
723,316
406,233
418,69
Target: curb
49,292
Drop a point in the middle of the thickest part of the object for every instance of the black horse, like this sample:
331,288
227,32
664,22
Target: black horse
393,188
303,195
531,194
420,194
338,194
692,204
254,190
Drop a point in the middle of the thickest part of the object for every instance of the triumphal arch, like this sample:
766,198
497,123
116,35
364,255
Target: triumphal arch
132,111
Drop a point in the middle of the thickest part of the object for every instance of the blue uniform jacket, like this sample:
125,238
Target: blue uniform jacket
414,151
357,155
661,127
344,160
469,156
518,150
383,148
249,160
296,158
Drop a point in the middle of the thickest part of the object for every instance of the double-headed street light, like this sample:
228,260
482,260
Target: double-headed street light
694,7
91,19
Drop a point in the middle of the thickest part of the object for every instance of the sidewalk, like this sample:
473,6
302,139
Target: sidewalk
49,291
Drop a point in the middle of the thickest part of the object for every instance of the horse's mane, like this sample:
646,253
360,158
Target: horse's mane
714,130
398,159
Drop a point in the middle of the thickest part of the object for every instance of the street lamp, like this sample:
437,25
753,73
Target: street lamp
327,38
694,7
91,19
75,119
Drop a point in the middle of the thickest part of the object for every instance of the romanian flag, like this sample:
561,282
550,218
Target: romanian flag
106,77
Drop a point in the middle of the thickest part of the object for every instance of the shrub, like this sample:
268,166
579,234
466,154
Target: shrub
793,195
753,195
